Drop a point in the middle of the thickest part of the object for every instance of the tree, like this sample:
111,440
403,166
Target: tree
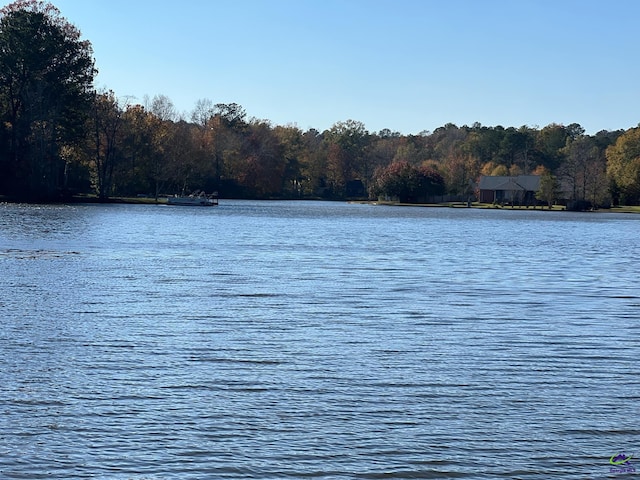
548,191
499,171
161,107
207,134
384,148
459,172
220,131
623,165
46,83
203,111
262,169
448,140
140,159
551,141
232,113
407,182
596,186
186,167
162,126
430,182
107,133
407,152
583,172
290,138
314,164
484,143
395,180
515,148
347,158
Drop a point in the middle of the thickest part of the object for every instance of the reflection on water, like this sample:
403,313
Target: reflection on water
309,339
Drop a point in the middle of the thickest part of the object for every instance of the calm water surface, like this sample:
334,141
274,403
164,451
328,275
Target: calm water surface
316,340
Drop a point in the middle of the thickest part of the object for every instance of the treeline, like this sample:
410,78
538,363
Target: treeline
60,137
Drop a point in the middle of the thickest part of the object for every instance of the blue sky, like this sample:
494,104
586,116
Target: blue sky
406,65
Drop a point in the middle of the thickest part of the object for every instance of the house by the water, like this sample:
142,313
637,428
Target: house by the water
516,189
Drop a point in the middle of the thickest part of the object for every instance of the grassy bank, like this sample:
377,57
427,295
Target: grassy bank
487,206
491,206
633,209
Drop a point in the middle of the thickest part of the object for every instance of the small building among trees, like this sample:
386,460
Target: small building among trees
519,189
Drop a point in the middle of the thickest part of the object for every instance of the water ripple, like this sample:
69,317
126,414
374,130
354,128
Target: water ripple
315,340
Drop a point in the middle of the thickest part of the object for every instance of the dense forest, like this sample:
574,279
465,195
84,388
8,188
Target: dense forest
60,137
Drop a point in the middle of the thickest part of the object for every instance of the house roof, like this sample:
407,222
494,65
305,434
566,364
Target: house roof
510,183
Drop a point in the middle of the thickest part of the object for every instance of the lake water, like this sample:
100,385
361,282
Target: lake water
317,340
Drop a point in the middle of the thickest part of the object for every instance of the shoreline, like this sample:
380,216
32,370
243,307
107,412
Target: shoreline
475,205
490,206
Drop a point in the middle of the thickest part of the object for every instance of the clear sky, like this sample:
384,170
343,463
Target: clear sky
406,65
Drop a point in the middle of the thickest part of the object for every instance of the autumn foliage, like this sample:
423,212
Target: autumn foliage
59,137
408,183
